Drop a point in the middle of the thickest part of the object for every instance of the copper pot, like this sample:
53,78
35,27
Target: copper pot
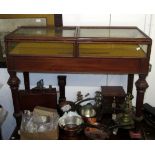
71,124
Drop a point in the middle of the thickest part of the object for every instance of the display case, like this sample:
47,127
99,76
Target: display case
106,50
85,45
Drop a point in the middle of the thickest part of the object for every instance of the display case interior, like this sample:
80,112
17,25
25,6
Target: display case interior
48,41
97,42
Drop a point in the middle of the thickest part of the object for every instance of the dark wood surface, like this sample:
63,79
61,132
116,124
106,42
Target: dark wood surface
109,94
130,83
77,65
147,133
28,99
112,91
58,21
26,80
62,84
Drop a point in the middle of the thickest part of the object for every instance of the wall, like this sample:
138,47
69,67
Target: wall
77,82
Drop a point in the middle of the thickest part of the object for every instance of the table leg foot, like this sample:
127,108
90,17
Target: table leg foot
141,86
14,82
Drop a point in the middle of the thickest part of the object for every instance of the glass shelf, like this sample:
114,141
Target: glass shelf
101,32
53,32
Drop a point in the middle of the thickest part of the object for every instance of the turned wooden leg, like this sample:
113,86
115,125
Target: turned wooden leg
130,83
13,82
141,86
26,80
62,84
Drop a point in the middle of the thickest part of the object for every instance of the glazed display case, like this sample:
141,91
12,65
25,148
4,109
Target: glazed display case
105,50
85,45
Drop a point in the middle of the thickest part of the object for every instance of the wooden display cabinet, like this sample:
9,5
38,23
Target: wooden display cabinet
104,50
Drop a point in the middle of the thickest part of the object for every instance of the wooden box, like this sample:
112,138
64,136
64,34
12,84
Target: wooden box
28,99
108,94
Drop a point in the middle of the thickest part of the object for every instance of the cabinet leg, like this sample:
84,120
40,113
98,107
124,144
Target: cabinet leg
13,82
62,84
130,83
26,80
141,86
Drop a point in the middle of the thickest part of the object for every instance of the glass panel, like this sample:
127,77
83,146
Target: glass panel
42,48
144,47
111,50
12,24
45,32
110,33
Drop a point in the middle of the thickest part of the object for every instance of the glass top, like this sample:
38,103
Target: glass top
44,32
110,32
80,34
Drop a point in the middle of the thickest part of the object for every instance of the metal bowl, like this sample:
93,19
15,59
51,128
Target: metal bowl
71,121
71,124
87,111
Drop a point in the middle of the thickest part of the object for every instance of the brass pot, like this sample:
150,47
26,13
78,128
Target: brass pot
88,111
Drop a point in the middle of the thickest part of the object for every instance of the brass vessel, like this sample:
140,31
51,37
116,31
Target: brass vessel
88,111
127,120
